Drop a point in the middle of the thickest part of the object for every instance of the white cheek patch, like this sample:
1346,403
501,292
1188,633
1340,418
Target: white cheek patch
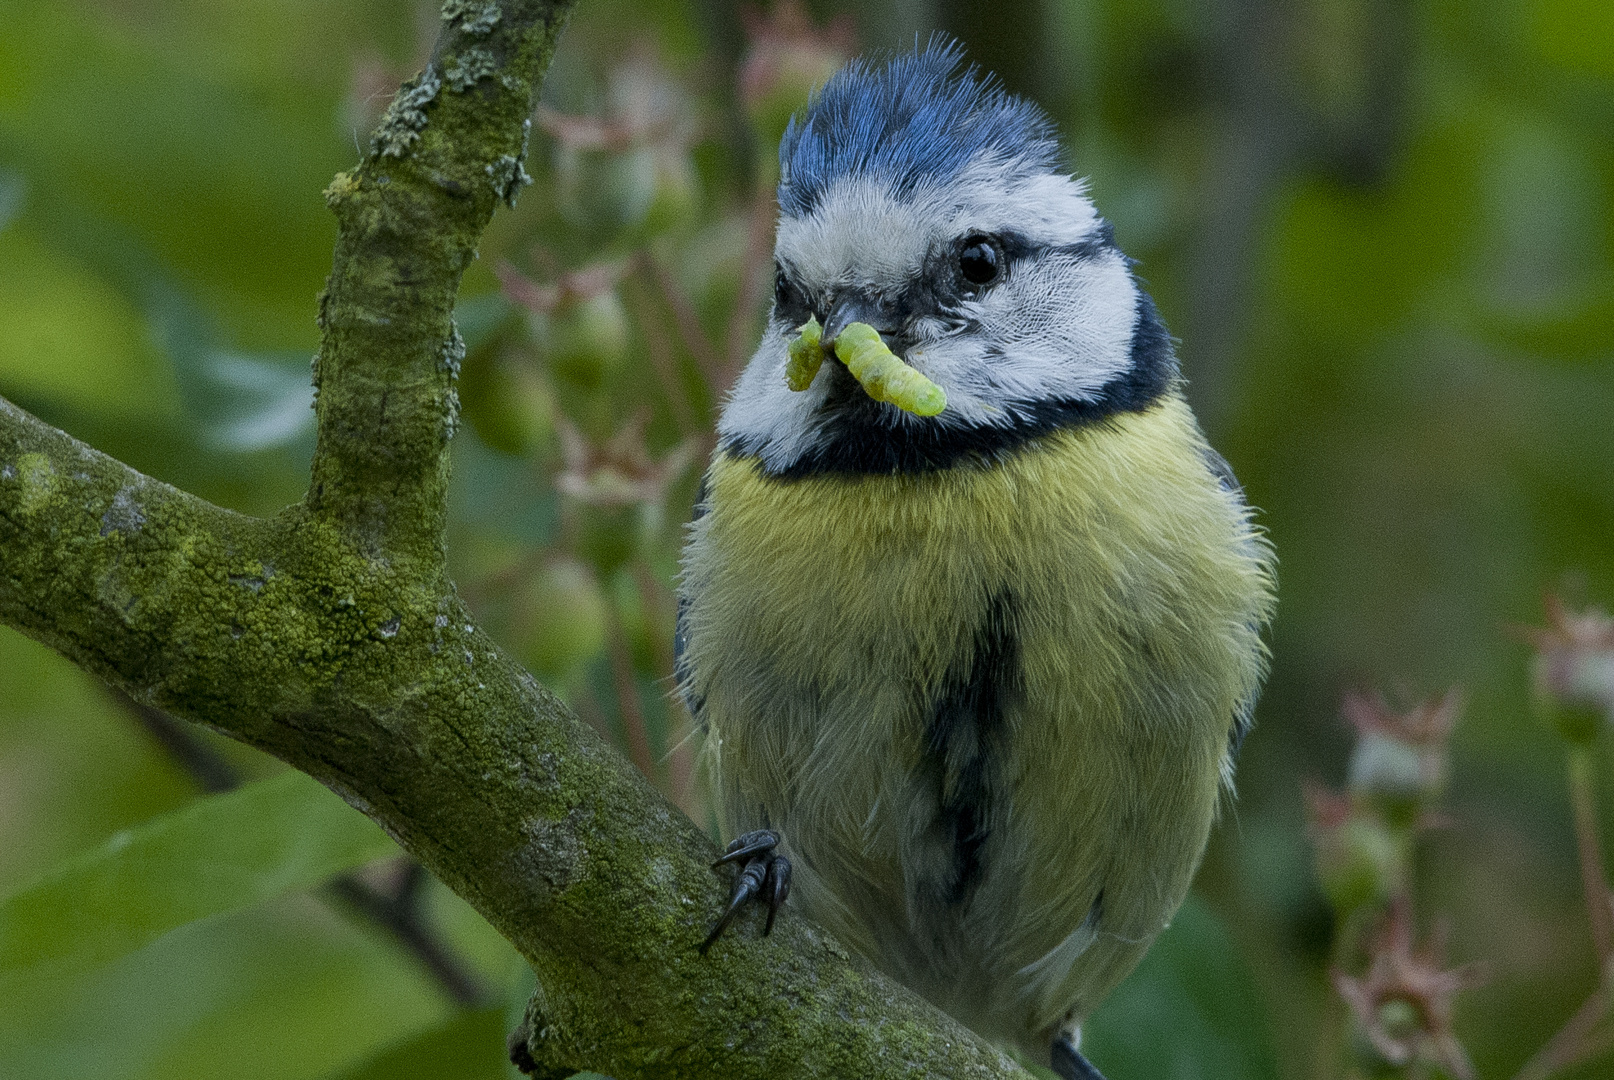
1059,329
763,414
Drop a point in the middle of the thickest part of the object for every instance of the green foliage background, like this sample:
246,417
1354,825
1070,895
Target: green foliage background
1384,232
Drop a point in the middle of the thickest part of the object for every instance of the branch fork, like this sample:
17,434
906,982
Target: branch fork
332,637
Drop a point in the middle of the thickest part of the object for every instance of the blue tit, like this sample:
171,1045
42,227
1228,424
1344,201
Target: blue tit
972,680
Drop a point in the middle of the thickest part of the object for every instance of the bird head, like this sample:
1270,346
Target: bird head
923,200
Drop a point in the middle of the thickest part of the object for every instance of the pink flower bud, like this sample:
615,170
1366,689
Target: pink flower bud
1399,764
1574,668
1401,1008
1358,859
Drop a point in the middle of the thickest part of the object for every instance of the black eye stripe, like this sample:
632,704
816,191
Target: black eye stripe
789,300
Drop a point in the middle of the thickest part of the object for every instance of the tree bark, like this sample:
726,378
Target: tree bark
331,637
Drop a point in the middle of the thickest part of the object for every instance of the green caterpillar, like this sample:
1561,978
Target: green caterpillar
806,355
882,374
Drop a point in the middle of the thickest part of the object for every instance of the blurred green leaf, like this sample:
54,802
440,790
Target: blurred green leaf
12,190
74,769
215,855
286,990
256,402
469,1046
1575,33
1191,1011
480,319
1568,332
219,176
68,336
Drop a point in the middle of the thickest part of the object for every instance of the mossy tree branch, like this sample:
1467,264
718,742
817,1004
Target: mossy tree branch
331,637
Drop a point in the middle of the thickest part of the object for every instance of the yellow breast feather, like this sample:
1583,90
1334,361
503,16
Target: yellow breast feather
827,613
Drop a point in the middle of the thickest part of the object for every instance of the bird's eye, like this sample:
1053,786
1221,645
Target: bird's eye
978,260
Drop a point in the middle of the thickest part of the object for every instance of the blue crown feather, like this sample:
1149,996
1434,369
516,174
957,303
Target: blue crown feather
916,119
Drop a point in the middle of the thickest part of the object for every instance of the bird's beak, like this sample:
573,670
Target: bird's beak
854,338
850,307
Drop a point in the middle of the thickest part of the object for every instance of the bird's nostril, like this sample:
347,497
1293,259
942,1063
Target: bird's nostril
853,307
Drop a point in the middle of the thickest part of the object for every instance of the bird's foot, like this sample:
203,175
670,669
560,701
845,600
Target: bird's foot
1068,1062
764,876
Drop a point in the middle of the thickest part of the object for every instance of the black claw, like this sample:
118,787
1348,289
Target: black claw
777,888
1069,1063
747,885
763,876
743,847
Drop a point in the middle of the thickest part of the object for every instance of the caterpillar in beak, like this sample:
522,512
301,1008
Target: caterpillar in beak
881,373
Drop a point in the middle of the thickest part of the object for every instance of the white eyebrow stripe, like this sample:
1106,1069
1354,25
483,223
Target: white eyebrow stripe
832,244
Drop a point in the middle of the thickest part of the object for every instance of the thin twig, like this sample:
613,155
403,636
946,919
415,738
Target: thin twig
662,361
687,323
205,765
397,912
1594,879
659,603
1585,1034
1577,1041
1253,136
748,300
1343,955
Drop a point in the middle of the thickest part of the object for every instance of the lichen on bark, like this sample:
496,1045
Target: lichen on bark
331,637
